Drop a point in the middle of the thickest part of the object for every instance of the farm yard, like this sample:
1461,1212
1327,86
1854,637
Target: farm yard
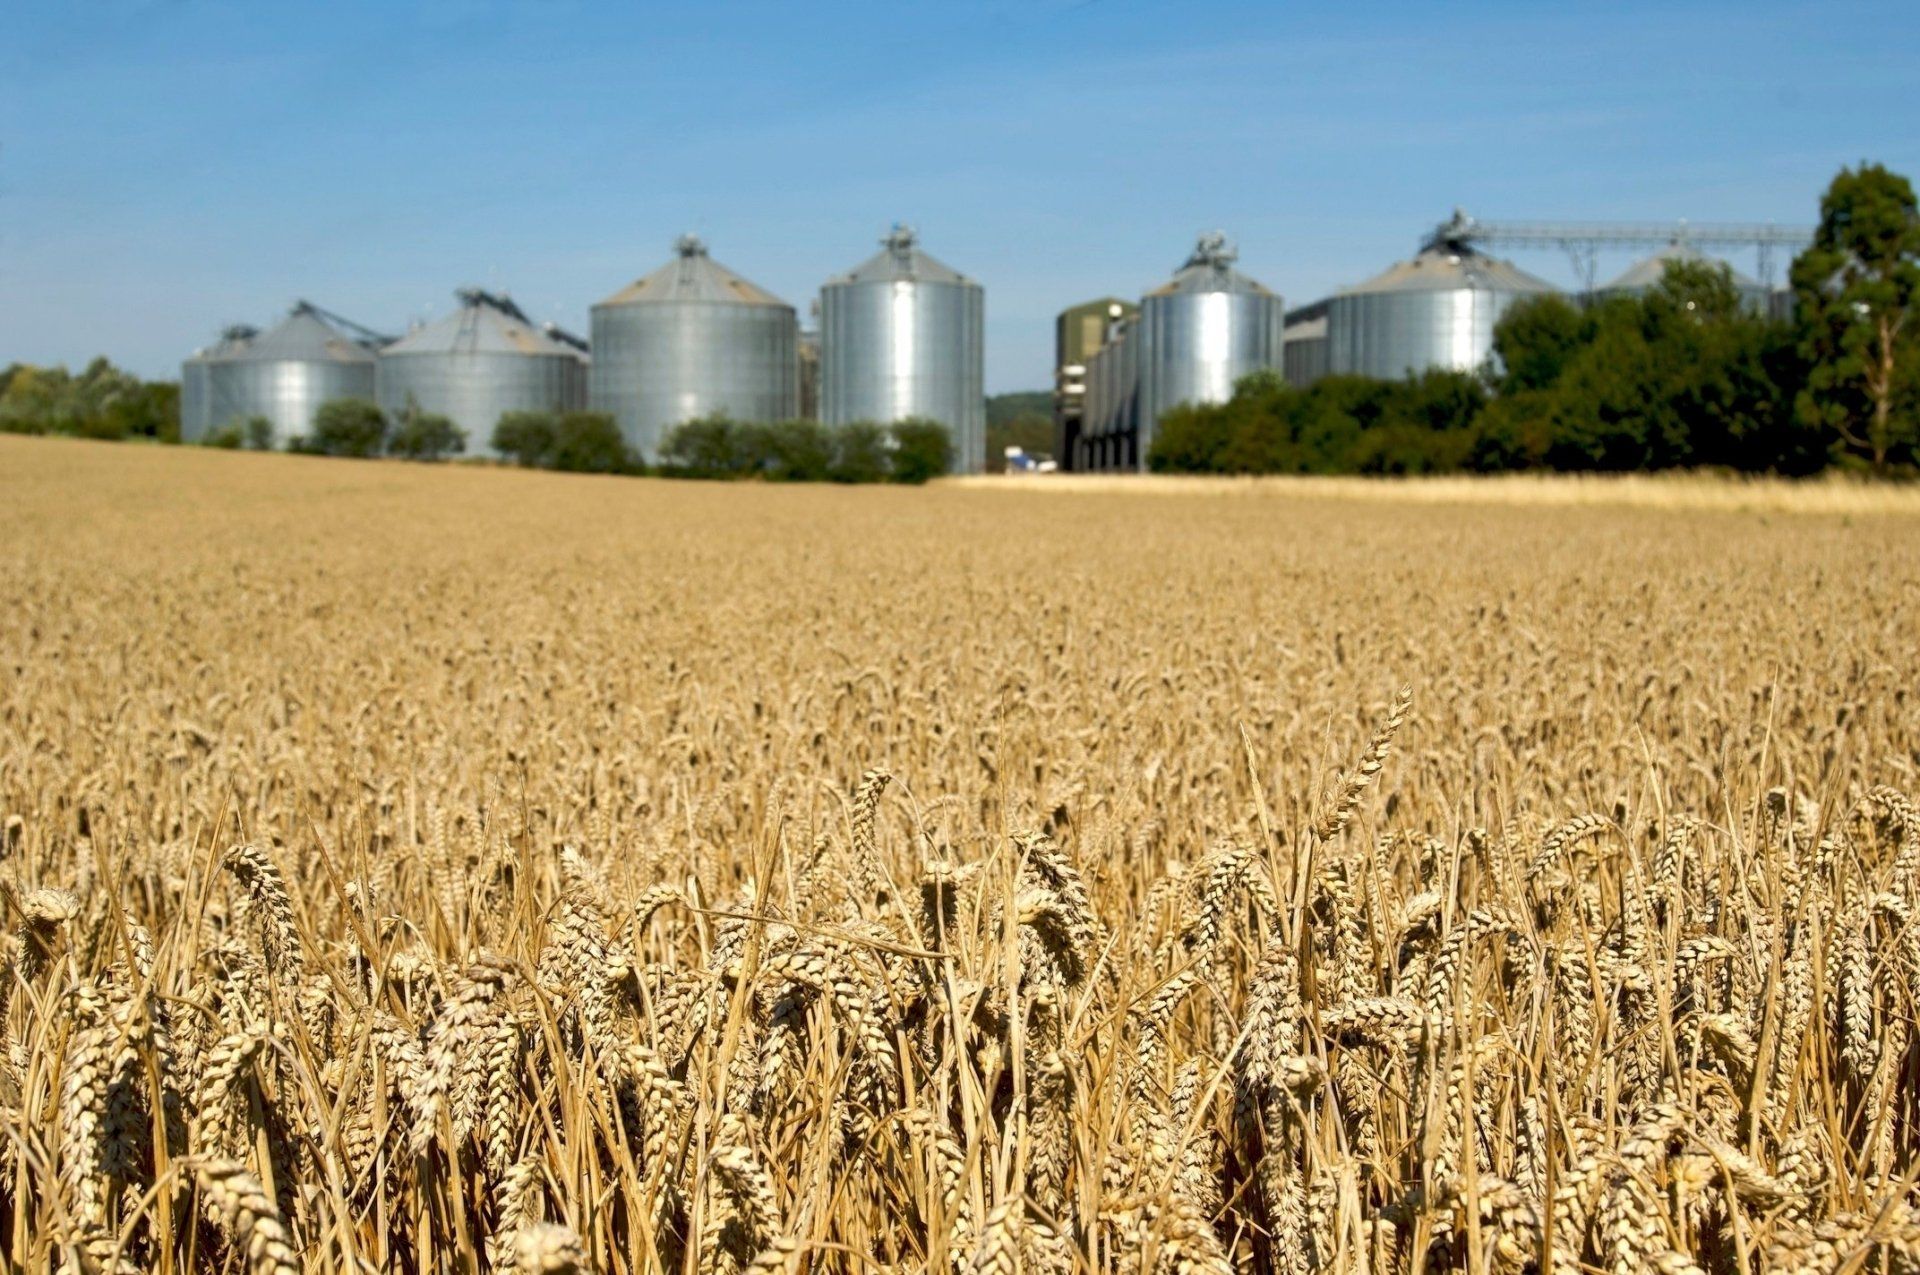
460,868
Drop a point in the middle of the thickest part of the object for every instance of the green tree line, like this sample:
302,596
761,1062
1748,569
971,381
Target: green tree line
101,401
908,451
353,427
1684,376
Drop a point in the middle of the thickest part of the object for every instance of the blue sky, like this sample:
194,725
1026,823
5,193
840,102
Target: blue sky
170,167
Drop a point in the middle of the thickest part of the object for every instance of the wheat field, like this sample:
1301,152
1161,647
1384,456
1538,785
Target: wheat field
456,869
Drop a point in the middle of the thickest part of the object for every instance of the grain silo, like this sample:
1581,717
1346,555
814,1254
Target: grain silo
1201,331
480,362
1305,355
901,335
1644,275
285,373
1110,416
692,339
808,349
1079,332
196,402
1436,311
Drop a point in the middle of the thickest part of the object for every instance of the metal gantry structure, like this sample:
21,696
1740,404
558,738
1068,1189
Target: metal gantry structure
1583,241
358,331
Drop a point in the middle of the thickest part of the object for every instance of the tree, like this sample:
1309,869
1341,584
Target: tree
30,400
859,453
1189,439
1535,339
1855,290
426,436
348,427
1425,426
794,451
1711,376
136,409
1326,423
228,437
704,447
589,443
526,437
1514,432
258,433
100,401
163,399
1682,376
922,449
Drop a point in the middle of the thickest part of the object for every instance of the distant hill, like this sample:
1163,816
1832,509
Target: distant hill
1023,420
1003,409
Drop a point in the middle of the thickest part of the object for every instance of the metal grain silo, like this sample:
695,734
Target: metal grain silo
1305,354
692,339
1110,413
196,401
1436,311
1644,275
288,371
480,362
1201,331
902,335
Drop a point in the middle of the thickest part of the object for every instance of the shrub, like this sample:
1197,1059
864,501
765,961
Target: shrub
426,436
348,427
704,447
922,449
526,438
859,453
228,437
589,443
794,451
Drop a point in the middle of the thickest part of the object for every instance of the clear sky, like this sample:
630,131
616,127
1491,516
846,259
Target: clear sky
171,166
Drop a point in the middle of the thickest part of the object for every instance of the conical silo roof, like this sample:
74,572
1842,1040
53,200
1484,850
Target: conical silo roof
693,276
233,338
1444,268
1647,273
303,336
1209,269
900,258
484,324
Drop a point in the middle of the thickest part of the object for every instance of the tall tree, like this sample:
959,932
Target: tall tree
1536,339
1855,290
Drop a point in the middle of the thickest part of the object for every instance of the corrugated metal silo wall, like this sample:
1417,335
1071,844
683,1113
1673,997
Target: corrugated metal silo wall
1113,395
287,392
656,365
890,349
1197,344
195,421
1389,334
475,389
1305,361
